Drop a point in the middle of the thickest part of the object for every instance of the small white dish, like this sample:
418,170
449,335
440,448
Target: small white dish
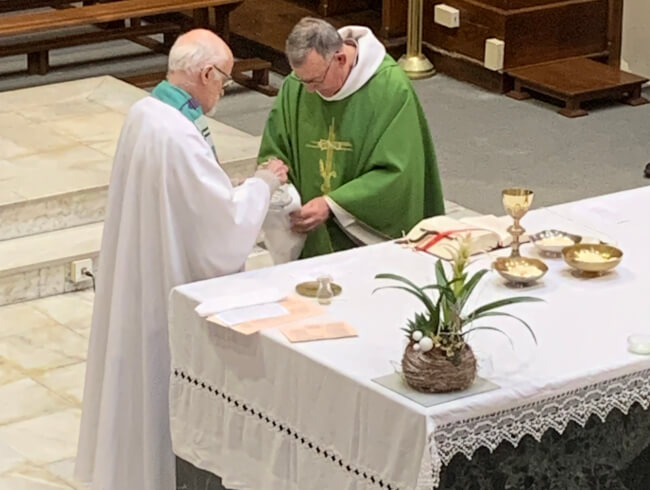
552,242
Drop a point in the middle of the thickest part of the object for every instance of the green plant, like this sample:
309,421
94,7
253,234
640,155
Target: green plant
444,320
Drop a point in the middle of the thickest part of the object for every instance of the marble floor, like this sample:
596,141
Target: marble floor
66,133
43,345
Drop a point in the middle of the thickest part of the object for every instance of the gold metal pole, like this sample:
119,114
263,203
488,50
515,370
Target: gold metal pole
414,63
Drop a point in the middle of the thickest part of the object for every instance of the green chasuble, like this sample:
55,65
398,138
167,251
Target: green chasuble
371,153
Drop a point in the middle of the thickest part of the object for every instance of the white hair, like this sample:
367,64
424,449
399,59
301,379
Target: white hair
191,57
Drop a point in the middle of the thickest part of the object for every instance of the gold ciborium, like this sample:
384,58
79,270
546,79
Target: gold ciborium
516,202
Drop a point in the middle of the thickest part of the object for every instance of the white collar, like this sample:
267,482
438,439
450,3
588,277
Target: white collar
370,54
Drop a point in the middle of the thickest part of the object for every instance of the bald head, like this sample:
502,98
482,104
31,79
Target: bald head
197,48
199,62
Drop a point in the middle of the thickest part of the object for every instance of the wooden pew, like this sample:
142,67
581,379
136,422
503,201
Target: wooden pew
261,27
257,80
108,20
18,5
29,23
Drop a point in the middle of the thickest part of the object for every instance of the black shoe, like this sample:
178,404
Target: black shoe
646,172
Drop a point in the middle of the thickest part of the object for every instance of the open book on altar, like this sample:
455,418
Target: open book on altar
438,235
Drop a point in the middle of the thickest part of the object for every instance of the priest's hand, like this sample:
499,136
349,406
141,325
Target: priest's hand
310,216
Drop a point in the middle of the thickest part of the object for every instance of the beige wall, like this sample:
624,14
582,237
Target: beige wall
635,55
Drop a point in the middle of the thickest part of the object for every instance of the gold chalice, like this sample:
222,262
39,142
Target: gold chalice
516,202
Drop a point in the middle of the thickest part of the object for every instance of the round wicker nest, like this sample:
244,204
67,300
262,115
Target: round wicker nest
434,372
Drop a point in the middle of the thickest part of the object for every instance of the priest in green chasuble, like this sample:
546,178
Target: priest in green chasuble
350,127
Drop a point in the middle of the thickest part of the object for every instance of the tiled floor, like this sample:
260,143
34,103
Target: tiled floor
43,346
67,134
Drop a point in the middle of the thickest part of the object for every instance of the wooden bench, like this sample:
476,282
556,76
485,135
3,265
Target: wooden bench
107,20
257,80
577,80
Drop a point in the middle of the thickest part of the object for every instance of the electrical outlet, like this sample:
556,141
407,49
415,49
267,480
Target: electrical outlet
78,267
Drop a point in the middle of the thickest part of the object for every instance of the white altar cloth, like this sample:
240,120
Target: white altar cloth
266,414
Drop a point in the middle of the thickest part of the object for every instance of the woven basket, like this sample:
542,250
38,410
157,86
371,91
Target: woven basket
434,372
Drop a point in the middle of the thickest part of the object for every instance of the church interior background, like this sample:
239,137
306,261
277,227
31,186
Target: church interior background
64,97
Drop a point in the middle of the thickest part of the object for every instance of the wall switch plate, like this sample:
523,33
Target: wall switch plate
446,15
494,54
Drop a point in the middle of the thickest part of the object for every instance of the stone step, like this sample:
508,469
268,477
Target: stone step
57,147
25,217
41,265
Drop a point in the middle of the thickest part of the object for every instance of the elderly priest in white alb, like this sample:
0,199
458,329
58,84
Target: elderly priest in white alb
172,218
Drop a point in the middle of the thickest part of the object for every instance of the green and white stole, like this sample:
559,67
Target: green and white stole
187,105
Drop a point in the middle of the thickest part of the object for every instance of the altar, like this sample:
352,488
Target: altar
265,413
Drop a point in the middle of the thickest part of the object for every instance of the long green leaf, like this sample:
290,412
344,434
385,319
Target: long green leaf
418,294
492,329
447,308
435,319
469,287
458,284
435,286
396,277
499,313
441,277
454,281
443,290
503,302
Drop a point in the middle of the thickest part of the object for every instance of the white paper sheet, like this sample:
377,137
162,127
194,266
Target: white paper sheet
250,313
232,301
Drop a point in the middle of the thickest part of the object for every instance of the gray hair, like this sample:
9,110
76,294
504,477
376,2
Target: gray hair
191,57
312,34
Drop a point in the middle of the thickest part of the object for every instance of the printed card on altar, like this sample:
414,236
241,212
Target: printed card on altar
318,331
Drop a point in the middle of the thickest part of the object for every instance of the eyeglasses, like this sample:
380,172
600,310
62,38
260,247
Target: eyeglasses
227,79
319,80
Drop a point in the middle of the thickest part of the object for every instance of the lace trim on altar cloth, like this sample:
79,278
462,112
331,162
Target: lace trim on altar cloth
332,457
534,419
